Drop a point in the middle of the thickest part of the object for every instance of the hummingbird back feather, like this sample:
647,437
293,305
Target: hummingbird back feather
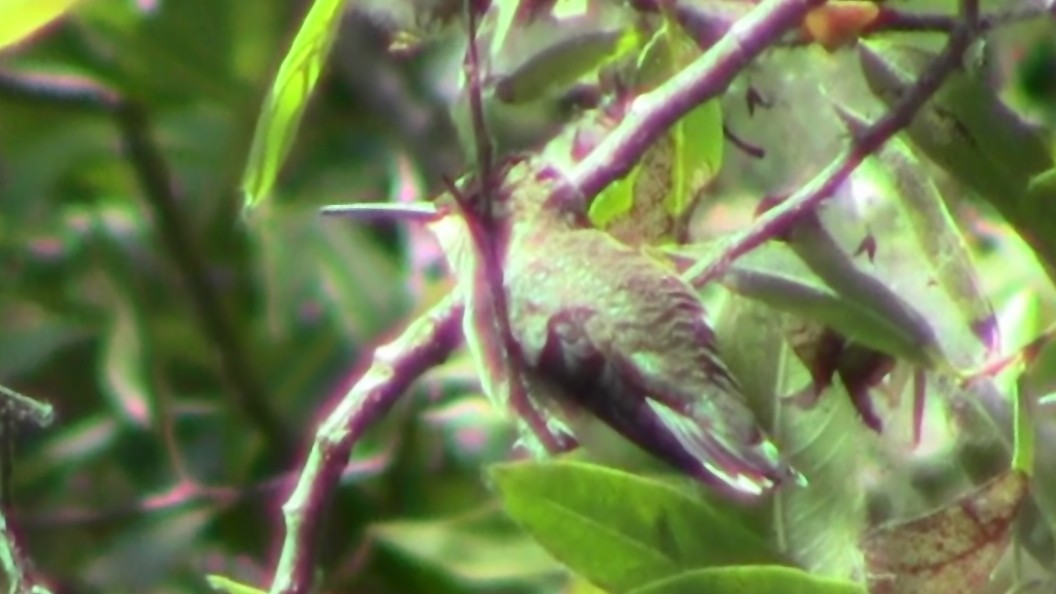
626,339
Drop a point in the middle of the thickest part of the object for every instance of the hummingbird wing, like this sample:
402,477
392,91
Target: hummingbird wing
689,416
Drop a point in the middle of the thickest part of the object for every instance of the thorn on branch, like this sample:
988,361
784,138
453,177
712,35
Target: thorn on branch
777,221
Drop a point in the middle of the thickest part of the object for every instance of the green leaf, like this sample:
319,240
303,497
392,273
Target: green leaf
895,172
559,65
775,275
619,530
472,552
757,580
534,54
965,128
223,584
1023,431
288,97
651,205
21,18
968,131
819,525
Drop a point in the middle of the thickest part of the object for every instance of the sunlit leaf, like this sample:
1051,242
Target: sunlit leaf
468,550
950,551
757,580
286,100
817,525
21,18
968,131
775,275
229,586
620,530
898,175
651,205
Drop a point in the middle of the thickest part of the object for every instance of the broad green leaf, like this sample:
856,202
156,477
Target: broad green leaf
775,275
469,550
286,100
21,18
229,586
754,580
819,525
619,530
652,203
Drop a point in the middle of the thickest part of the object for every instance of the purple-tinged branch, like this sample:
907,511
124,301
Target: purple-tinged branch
780,219
424,344
707,77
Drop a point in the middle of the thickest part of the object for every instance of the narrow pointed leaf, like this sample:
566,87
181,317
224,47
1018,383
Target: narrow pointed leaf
286,100
225,585
897,173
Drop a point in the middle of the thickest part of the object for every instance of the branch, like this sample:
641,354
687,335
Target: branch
153,174
708,76
780,219
156,180
709,22
17,407
426,342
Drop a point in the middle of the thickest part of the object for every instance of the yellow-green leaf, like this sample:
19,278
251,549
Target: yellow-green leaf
21,18
223,584
652,204
287,98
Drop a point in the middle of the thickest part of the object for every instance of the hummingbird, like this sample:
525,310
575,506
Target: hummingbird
601,331
607,332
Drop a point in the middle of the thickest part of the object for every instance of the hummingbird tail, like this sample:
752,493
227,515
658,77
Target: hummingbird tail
750,466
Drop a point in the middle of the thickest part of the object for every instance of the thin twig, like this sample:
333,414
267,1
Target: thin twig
152,172
424,344
16,407
778,220
24,408
19,572
709,22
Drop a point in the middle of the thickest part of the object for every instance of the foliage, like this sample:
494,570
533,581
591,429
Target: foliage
172,293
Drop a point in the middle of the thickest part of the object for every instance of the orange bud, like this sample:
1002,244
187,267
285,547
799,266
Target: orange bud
837,24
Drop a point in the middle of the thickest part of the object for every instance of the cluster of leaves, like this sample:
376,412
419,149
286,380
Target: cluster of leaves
852,335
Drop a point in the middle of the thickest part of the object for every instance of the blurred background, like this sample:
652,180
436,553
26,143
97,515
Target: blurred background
190,351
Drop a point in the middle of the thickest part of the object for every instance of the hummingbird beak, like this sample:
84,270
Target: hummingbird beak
417,212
